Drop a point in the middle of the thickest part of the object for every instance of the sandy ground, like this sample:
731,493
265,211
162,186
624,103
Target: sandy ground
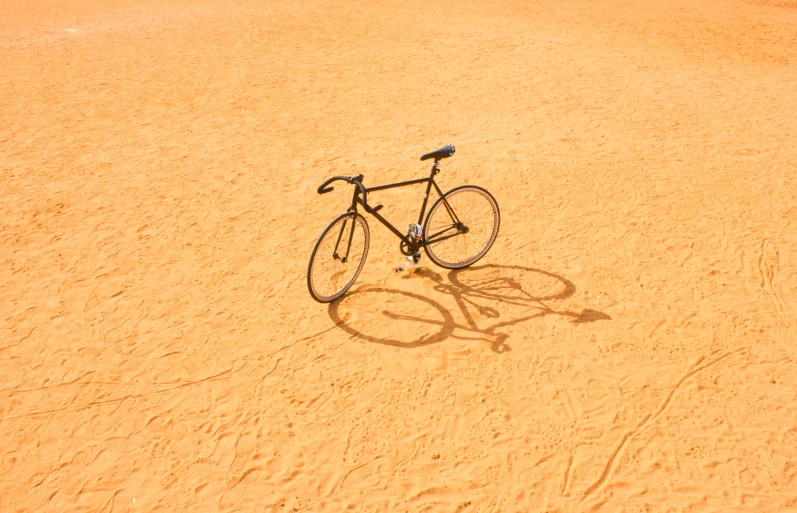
627,345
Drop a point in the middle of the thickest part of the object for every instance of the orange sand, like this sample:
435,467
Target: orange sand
627,345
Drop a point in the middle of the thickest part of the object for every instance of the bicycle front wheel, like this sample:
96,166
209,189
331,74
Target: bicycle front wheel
338,257
461,227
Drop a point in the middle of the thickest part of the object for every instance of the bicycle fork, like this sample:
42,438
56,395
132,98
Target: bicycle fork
335,254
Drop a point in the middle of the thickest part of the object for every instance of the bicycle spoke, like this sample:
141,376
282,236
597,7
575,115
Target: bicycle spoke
477,212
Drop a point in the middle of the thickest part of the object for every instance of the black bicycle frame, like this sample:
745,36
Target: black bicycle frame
360,197
413,244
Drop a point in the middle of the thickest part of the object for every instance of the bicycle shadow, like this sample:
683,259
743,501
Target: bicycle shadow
480,294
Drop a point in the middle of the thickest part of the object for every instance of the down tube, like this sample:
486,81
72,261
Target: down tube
389,226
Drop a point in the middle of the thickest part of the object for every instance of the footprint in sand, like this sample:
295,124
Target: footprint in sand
405,450
54,481
537,481
75,477
244,448
49,449
33,499
368,392
589,434
236,493
111,445
244,380
122,502
358,476
9,461
201,474
357,349
276,373
137,441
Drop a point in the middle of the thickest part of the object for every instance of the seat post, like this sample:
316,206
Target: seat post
435,167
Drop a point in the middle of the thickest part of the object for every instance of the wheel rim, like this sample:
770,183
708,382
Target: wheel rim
478,213
330,277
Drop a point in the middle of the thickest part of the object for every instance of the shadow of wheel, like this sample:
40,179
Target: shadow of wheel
511,283
392,317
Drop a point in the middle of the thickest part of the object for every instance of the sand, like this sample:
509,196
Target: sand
628,344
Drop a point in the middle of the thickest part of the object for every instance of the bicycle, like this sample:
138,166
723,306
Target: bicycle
462,218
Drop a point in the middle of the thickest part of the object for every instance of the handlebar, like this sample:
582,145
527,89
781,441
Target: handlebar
354,180
324,187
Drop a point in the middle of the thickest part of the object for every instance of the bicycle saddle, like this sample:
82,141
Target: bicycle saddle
444,152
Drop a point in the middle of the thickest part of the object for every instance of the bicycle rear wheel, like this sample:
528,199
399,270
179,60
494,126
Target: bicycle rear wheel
338,257
461,227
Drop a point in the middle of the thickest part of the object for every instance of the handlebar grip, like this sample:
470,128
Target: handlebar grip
354,180
325,188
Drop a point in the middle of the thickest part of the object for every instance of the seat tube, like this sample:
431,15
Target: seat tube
435,167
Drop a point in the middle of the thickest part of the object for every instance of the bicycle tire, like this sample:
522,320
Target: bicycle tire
475,207
330,240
